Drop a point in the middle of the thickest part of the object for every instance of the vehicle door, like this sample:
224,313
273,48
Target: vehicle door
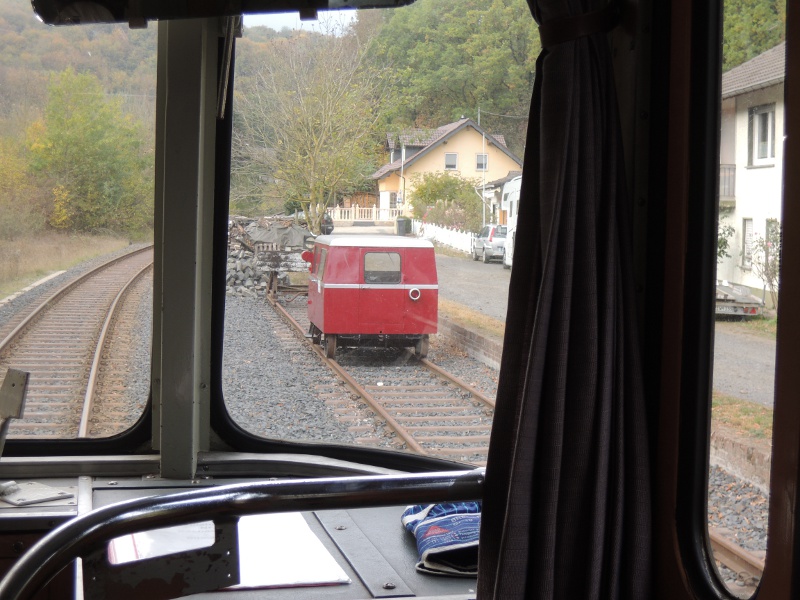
480,243
316,291
381,306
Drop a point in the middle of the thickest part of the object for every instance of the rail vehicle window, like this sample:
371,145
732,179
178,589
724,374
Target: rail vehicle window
747,281
319,267
77,123
382,267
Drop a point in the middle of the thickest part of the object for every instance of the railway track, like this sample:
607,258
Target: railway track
434,413
428,410
61,342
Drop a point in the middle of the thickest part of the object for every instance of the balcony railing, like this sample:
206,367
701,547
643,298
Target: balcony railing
727,185
364,213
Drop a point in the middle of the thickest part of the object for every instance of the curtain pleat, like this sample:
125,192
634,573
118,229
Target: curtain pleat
566,513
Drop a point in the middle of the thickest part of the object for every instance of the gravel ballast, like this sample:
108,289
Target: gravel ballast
275,387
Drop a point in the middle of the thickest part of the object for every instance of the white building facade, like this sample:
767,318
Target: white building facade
751,164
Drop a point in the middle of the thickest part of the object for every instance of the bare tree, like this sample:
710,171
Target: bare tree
307,115
766,259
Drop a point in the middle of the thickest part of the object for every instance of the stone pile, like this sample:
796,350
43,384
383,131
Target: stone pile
246,276
259,250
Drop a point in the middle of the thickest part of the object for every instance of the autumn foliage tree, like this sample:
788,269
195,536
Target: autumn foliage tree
447,200
306,116
93,156
749,28
19,214
451,57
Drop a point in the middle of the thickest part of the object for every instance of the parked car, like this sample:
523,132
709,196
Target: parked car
508,254
490,243
325,224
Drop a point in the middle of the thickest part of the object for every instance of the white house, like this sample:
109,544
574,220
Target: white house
751,161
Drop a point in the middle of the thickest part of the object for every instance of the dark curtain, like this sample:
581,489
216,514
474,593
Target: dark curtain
566,514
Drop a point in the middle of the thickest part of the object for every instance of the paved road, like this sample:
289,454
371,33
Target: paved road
744,364
476,285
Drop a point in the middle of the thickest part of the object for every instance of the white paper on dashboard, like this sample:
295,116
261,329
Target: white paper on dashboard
280,550
275,550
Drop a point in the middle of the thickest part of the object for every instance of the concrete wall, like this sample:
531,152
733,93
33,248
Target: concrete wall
745,458
482,349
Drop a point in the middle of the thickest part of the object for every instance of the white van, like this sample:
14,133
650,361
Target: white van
510,204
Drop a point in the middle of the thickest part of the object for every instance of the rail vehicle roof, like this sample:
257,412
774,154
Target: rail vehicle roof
372,241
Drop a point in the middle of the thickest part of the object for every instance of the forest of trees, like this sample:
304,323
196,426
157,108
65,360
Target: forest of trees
77,103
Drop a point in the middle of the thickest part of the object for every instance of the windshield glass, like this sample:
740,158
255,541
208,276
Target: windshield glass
76,191
747,282
384,130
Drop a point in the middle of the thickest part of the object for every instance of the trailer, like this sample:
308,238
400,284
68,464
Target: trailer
737,301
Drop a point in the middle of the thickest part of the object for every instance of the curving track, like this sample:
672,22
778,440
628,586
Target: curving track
61,344
67,345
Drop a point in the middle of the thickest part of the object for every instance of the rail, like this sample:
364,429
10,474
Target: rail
94,371
376,405
737,559
727,184
65,374
60,292
87,535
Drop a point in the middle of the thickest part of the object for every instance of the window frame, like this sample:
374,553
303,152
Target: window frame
747,243
755,131
485,156
384,279
455,161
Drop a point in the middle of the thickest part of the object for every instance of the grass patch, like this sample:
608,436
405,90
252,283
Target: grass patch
26,260
471,319
764,326
747,418
448,251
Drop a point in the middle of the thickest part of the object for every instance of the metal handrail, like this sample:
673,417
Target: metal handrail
89,533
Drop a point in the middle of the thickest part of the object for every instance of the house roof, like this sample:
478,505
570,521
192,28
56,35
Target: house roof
503,180
432,138
766,69
425,137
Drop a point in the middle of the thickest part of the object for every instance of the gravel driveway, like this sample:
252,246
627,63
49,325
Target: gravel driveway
744,364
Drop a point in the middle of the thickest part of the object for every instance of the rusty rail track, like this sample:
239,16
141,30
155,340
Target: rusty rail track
429,410
452,425
744,563
60,343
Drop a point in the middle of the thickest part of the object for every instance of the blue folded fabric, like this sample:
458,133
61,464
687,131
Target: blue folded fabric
447,537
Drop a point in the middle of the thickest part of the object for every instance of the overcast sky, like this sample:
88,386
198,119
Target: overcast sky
292,20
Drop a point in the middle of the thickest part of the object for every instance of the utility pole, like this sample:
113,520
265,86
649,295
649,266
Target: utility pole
485,164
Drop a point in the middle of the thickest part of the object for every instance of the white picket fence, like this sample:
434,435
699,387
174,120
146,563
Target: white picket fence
453,238
364,213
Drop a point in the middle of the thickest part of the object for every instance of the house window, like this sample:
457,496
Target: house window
450,161
747,243
393,200
482,163
762,135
